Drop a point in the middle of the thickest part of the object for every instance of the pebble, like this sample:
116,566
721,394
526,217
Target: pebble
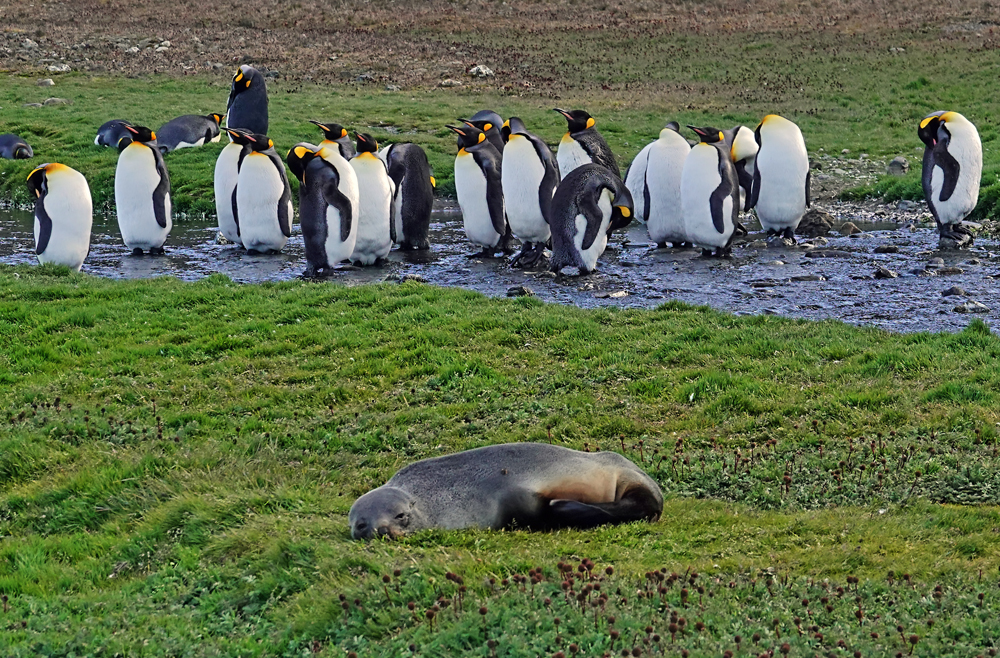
828,253
885,273
480,71
46,82
972,307
898,166
392,87
950,270
849,228
59,68
809,277
520,291
973,261
906,205
935,262
953,291
617,294
57,101
450,83
887,249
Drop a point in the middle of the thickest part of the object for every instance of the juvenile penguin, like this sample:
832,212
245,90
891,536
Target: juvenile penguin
247,106
780,189
522,485
13,147
188,131
582,144
490,123
326,215
142,192
227,170
111,133
63,215
375,190
414,197
335,136
589,203
529,177
743,150
659,188
710,194
953,165
263,197
479,190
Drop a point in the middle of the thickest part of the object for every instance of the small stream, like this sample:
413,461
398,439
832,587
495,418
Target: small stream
759,279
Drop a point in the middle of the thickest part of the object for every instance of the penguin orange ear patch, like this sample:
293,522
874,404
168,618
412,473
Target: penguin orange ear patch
481,137
487,126
343,132
591,122
625,211
270,143
434,183
300,151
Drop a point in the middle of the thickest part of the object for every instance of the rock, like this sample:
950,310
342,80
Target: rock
57,101
164,44
480,71
905,205
849,228
777,241
221,239
813,243
898,166
611,295
828,253
953,291
808,277
840,172
846,151
520,291
925,272
32,105
935,262
815,223
951,244
973,261
365,77
950,270
972,307
46,82
133,50
28,44
392,87
272,75
863,156
450,83
161,49
885,273
887,249
59,68
764,283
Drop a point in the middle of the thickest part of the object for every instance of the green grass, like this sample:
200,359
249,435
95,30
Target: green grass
177,461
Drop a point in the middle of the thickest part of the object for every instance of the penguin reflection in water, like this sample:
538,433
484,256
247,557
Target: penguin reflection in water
710,194
953,165
479,190
63,215
142,192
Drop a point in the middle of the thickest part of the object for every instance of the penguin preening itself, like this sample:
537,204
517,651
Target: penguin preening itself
263,197
414,197
63,215
326,215
953,165
111,133
227,171
654,179
247,106
335,136
188,131
142,192
780,189
479,190
743,149
710,194
529,176
13,147
489,122
582,144
375,192
589,203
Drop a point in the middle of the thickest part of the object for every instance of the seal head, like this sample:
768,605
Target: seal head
384,511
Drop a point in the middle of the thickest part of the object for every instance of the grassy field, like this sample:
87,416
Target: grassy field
178,461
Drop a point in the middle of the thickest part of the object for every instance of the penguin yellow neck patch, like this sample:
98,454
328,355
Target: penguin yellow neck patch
462,151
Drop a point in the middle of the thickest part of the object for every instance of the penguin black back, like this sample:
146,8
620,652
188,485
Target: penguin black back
489,122
411,173
112,132
187,131
247,106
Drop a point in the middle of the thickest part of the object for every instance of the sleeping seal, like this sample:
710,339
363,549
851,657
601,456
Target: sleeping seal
534,485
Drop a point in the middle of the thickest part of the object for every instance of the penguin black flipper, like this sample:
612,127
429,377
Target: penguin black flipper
645,199
746,182
587,205
162,189
949,167
44,227
494,191
725,189
335,198
808,191
550,179
284,221
751,201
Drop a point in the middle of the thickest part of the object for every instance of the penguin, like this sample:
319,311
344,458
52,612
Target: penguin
583,144
142,192
953,165
660,187
479,190
743,149
780,188
329,228
375,190
529,176
63,215
188,131
588,205
247,106
635,181
414,197
710,194
263,197
335,136
489,122
227,171
13,147
112,132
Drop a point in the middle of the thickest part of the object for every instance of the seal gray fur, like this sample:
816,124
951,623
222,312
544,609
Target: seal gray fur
13,147
532,485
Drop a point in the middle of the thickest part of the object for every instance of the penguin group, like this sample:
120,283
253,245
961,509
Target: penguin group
357,199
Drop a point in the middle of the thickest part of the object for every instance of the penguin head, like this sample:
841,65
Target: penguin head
240,136
298,159
484,125
709,135
331,131
140,134
512,126
23,152
743,145
217,118
622,206
243,78
468,136
123,143
577,120
773,122
927,131
38,182
487,115
366,143
258,142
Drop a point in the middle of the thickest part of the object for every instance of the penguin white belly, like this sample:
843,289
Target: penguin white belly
348,184
135,179
521,176
258,191
375,193
784,165
699,180
470,186
963,200
216,138
226,173
590,256
635,181
397,208
571,155
663,177
338,250
184,145
70,210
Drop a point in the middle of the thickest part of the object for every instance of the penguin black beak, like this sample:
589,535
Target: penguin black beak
457,130
321,126
562,112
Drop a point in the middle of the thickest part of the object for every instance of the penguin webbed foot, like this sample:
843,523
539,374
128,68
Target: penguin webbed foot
954,236
724,252
421,245
789,234
740,229
487,252
157,251
137,252
706,253
531,253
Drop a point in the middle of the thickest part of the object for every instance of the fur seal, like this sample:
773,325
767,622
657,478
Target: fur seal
533,485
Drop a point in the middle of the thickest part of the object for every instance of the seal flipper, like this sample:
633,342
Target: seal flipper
574,514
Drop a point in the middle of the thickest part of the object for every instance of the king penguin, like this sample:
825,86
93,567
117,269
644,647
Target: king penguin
335,136
375,190
657,192
112,132
710,194
63,215
479,190
13,147
780,189
227,170
588,204
326,215
247,106
582,144
529,176
414,197
953,165
743,150
490,123
188,131
142,192
263,197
